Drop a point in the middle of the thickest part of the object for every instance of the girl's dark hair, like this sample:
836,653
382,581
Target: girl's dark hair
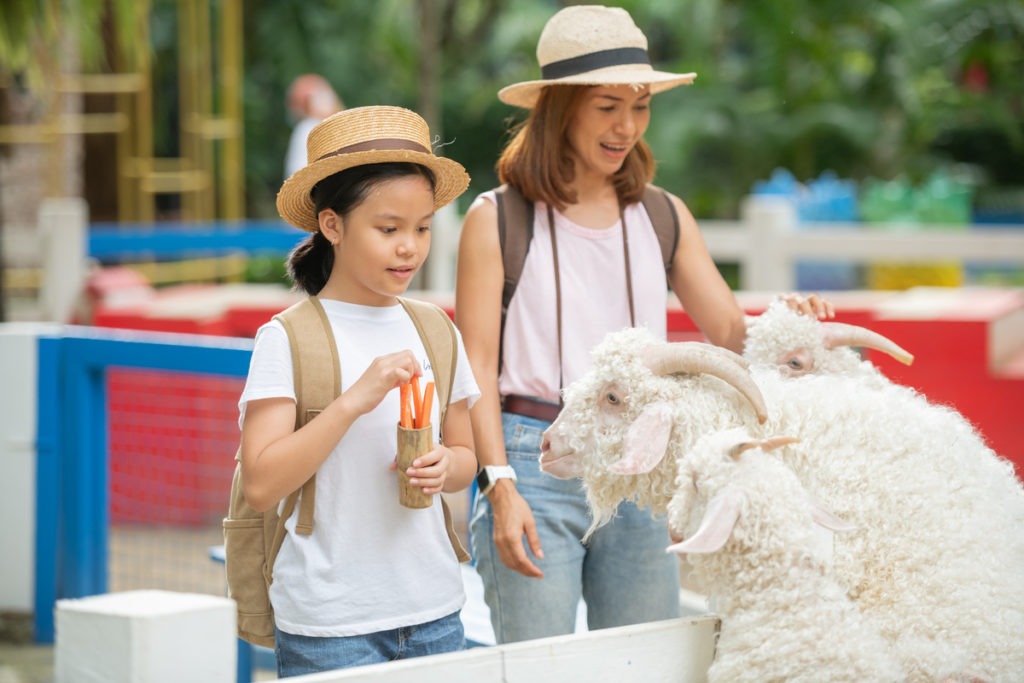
310,263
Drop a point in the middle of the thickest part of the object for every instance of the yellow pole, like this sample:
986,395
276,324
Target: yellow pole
232,176
142,150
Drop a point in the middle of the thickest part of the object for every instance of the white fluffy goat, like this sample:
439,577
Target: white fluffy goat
798,344
937,559
750,536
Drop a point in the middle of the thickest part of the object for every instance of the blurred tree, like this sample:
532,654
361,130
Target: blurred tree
40,38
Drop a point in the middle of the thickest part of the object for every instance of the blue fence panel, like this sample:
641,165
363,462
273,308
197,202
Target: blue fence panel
162,241
72,477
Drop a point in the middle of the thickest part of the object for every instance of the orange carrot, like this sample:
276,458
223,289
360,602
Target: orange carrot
405,415
428,399
417,400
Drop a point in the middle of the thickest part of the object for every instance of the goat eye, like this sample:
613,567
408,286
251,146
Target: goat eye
795,364
612,398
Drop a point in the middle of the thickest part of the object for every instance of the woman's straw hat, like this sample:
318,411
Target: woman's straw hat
591,45
360,136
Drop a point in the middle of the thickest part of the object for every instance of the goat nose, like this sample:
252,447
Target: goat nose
545,445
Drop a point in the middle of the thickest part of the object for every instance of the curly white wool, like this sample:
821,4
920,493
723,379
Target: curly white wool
782,337
776,597
939,554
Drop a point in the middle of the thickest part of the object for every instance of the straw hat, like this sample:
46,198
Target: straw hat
365,135
591,45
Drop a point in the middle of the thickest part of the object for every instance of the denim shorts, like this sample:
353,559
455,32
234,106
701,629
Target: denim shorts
623,573
299,655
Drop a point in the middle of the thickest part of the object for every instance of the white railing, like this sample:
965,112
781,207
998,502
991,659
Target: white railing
767,242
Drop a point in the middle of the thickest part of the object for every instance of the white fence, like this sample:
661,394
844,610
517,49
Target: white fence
674,651
767,242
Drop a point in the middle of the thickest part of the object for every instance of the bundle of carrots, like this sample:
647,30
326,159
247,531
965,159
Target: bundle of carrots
415,412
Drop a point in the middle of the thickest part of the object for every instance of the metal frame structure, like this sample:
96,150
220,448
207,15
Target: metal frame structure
209,174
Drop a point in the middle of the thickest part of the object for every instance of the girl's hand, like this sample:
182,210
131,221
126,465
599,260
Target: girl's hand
384,374
430,470
814,306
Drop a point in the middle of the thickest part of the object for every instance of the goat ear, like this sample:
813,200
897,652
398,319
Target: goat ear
824,517
646,441
715,527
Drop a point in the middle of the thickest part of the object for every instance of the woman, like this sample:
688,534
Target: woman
594,265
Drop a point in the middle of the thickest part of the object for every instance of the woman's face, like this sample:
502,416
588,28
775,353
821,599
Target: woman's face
384,240
607,123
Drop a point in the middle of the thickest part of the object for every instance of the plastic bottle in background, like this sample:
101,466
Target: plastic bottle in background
939,203
824,200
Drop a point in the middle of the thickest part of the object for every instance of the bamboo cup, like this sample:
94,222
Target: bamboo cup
411,444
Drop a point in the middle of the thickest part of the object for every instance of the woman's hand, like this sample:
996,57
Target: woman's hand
814,306
384,374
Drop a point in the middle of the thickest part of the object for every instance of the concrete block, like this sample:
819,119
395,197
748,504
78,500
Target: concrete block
146,636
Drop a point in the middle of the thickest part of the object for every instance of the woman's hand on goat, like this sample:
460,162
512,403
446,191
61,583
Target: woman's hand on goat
513,519
814,306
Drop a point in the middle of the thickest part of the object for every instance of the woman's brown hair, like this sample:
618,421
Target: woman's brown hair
538,159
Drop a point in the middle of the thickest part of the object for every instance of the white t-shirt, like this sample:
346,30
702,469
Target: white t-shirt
370,564
295,157
592,275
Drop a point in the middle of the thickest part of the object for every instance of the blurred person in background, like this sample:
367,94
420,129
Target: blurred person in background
310,100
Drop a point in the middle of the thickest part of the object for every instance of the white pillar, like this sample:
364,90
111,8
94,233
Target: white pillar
64,227
771,224
444,249
146,637
19,343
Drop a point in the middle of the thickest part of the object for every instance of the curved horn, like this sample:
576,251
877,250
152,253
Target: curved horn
841,334
768,444
697,357
773,442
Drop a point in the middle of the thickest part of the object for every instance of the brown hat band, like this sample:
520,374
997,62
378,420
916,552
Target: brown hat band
593,61
376,146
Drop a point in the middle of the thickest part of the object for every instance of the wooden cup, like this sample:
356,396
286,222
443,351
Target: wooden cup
411,444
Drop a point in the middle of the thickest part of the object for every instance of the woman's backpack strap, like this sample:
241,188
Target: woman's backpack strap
515,231
665,220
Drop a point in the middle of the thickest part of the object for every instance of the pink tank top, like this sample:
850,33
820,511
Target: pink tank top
594,299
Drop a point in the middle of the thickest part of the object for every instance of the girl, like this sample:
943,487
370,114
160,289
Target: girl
594,265
354,592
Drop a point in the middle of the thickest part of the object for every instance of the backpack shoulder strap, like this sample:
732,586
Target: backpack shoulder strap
438,334
665,220
314,350
515,230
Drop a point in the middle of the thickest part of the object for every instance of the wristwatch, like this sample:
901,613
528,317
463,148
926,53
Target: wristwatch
490,474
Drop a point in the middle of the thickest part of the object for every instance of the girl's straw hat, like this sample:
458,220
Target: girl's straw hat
591,45
365,135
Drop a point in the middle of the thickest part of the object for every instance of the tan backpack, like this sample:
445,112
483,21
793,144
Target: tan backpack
252,539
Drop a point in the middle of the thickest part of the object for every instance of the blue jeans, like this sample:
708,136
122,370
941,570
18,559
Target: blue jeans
299,655
623,574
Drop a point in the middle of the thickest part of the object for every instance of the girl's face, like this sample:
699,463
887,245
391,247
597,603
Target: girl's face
606,125
383,241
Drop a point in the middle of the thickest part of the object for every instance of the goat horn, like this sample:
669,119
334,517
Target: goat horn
773,442
696,357
841,334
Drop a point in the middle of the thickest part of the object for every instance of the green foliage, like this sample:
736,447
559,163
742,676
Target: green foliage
869,89
31,32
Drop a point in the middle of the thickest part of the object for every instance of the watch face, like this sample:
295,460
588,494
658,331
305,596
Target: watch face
481,480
